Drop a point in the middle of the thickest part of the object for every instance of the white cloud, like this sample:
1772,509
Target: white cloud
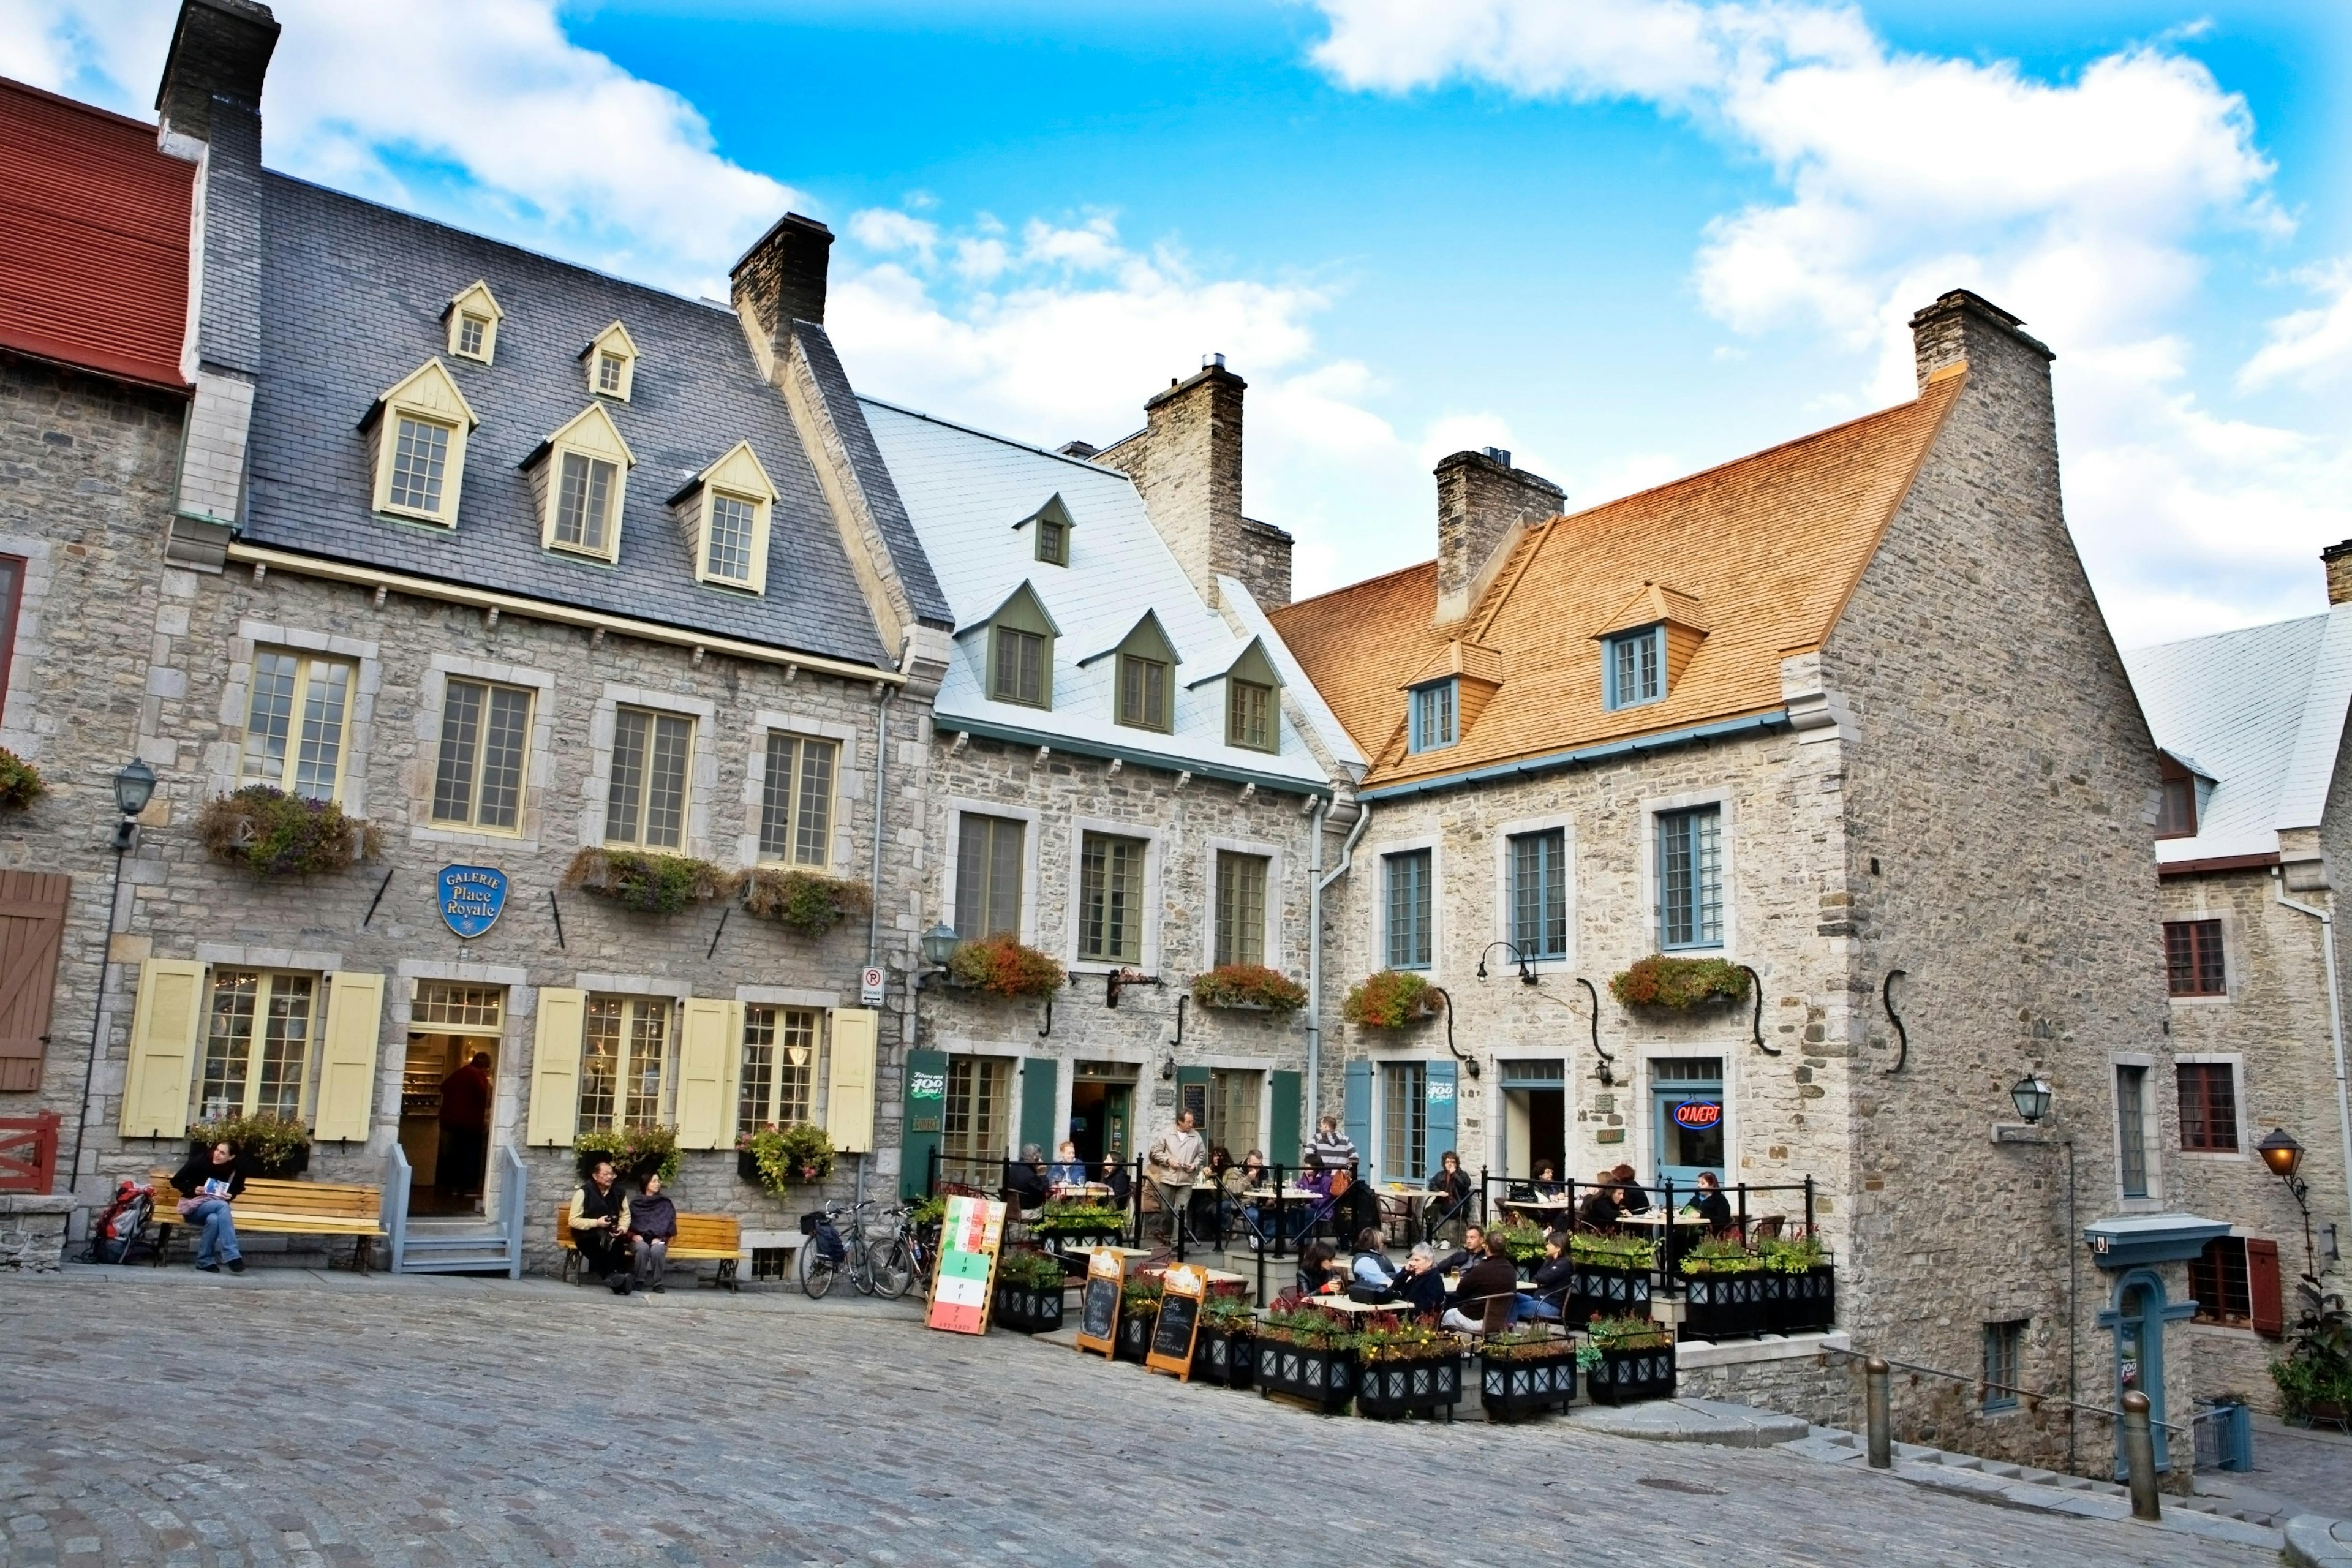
2310,348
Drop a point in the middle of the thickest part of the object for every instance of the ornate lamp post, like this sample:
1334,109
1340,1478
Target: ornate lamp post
2284,1155
134,786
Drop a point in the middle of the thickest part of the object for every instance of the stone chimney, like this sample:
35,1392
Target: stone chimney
2337,558
220,50
1482,504
781,281
1964,327
1187,462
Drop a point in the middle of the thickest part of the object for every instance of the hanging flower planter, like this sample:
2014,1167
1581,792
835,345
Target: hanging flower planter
272,833
807,902
647,883
1003,967
1248,988
636,1152
1389,1000
20,782
268,1145
778,1158
1679,985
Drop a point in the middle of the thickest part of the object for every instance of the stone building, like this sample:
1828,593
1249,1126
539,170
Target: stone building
2255,821
1844,714
1121,778
527,571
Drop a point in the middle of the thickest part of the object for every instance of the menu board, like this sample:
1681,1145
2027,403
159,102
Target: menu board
970,1234
1098,1302
1180,1320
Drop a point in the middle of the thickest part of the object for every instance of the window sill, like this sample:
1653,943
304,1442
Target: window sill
429,519
2200,1000
2216,1156
2222,1331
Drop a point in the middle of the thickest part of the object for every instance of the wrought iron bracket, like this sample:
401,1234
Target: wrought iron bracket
1469,1064
1606,1073
1755,1020
1902,1036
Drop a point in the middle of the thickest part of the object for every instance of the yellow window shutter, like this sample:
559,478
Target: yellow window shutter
347,1062
849,1091
162,1048
555,1065
704,1046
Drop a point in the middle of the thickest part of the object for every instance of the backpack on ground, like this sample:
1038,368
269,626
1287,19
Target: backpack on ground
121,1227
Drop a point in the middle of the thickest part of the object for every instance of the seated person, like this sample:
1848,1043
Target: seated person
1371,1272
1599,1210
1473,1248
1449,1187
1487,1288
1114,1176
1630,1198
1066,1171
208,1185
653,1226
1710,1204
1420,1288
1543,1300
1317,1273
1314,1178
1547,1183
1025,1180
599,1225
1354,1205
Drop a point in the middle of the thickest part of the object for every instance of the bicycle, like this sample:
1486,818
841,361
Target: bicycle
885,1269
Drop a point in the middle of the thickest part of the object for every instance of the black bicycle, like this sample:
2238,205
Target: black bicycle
885,1268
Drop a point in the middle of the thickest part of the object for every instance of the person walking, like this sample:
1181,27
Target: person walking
1174,1159
464,1128
653,1226
207,1184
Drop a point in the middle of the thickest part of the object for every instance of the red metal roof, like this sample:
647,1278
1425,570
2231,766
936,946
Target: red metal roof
93,238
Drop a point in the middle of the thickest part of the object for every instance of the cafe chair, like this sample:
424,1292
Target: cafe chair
1764,1229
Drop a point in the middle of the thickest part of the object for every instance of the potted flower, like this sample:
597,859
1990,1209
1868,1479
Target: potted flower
808,903
1406,1367
1523,1370
1139,1315
2314,1378
1524,1240
1307,1353
1799,1285
20,782
1389,1000
647,883
1626,1359
777,1157
1609,1276
1679,985
1723,1289
1248,988
1029,1286
636,1152
269,1146
1070,1229
270,833
1224,1352
1002,967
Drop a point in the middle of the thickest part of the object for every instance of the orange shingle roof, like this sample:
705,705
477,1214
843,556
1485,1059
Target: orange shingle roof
1770,545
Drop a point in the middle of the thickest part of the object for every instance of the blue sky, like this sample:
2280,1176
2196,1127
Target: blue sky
1625,238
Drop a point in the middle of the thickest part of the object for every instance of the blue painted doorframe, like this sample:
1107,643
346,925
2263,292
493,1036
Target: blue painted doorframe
2136,1317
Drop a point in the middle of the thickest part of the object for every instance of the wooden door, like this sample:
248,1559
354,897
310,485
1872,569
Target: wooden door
32,923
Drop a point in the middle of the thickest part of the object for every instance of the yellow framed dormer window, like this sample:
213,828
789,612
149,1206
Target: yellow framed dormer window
611,357
420,423
472,317
724,510
298,723
579,476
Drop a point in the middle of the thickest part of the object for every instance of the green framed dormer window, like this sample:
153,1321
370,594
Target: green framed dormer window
1020,637
1143,675
1050,526
1252,700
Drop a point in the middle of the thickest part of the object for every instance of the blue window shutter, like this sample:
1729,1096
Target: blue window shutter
1356,1114
1439,1093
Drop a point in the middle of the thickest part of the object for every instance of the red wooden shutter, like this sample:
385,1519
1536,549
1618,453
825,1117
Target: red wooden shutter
2263,1287
32,920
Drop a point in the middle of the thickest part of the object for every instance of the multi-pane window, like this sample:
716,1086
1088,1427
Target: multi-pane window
458,1009
621,1057
2176,816
1142,692
730,544
988,852
1111,899
646,801
1249,715
973,1120
1240,908
1637,668
584,503
2208,1107
608,373
2131,1129
471,331
1020,675
778,1083
256,1045
1052,542
1539,893
297,723
420,463
2218,1279
1433,717
1690,878
2004,1358
478,780
1404,1121
1405,896
796,800
1231,1121
2192,958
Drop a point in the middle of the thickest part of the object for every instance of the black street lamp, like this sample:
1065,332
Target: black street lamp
134,786
938,945
1526,968
2031,1095
2284,1155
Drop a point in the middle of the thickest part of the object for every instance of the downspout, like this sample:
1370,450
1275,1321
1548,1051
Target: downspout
1317,882
2334,1021
881,772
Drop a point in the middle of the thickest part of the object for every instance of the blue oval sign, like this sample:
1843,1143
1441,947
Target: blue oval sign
472,897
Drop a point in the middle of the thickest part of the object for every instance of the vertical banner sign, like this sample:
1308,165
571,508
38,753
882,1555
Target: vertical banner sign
1180,1321
970,1234
1098,1302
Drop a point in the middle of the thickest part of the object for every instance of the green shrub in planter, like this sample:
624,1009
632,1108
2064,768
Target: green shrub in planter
648,884
780,1156
272,833
809,902
636,1152
268,1145
20,783
1680,983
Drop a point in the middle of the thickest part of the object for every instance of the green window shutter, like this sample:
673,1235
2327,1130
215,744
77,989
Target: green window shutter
1282,1136
1039,1080
926,1100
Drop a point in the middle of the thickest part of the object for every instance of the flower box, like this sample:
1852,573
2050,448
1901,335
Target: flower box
1228,1360
1624,1376
1516,1386
1595,1291
1425,1385
1028,1310
1723,1306
1802,1303
1324,1378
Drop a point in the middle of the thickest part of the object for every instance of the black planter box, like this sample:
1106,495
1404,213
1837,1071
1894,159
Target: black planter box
1071,1247
1597,1292
747,1165
1325,1379
1516,1386
1229,1361
1025,1310
1723,1306
1625,1376
1134,1339
1800,1303
1389,1390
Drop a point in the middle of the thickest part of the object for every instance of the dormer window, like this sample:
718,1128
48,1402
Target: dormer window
2176,815
580,475
1253,700
1647,645
1636,666
1433,717
612,360
1143,693
584,508
1051,524
724,509
420,424
1020,650
473,320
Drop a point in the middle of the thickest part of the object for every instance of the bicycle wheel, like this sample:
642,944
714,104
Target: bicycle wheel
894,1270
861,1266
816,1274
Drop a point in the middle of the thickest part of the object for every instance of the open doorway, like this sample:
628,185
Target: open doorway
447,1092
1102,1112
1534,1117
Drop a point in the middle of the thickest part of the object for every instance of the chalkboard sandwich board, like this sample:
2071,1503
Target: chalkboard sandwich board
1180,1320
1098,1302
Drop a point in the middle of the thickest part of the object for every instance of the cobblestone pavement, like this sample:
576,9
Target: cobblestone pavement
178,1418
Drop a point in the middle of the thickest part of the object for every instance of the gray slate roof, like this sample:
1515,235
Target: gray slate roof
353,295
2261,713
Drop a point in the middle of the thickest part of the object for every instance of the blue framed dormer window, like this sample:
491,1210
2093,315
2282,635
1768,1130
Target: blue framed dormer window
1633,666
1690,878
1433,710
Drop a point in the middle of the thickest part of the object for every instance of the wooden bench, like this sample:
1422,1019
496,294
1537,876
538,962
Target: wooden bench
269,1207
700,1238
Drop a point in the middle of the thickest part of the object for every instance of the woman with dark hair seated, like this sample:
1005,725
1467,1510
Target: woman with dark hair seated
1317,1274
1545,1295
1627,1192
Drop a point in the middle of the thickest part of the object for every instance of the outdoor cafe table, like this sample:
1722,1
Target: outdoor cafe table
1403,1200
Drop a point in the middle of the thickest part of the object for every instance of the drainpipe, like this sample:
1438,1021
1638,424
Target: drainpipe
2334,1021
881,772
1317,882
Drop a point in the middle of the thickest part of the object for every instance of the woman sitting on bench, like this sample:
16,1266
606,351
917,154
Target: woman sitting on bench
207,1184
653,1226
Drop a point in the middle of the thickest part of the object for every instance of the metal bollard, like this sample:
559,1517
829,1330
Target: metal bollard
1882,1442
2139,1457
